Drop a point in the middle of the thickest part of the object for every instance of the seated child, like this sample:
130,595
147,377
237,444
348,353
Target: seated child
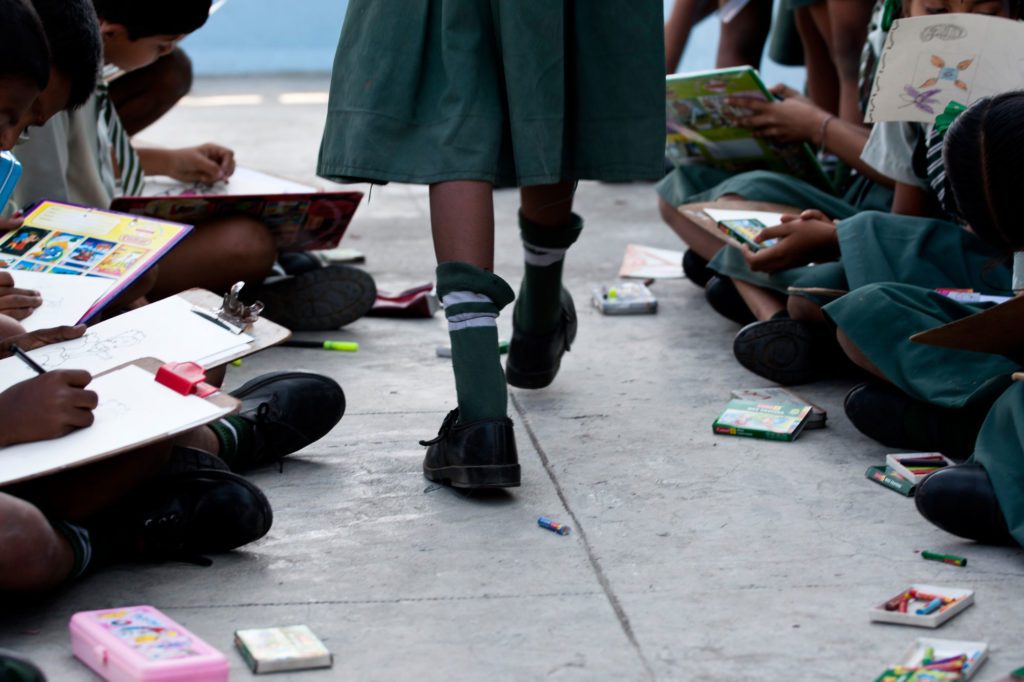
63,162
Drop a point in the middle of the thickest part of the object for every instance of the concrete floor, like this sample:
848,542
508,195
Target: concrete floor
692,557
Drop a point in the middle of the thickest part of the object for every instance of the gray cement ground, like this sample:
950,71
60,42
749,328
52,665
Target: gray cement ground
693,556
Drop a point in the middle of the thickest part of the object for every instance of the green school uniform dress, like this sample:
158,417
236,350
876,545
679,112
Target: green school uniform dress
1000,449
529,92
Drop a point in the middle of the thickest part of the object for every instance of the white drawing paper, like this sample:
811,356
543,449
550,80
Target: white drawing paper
66,298
646,262
928,62
167,330
243,182
133,409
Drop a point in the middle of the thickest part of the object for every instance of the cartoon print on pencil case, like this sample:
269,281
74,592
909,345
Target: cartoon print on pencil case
948,73
91,345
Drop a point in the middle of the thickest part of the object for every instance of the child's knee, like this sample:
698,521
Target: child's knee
801,308
247,244
29,547
10,327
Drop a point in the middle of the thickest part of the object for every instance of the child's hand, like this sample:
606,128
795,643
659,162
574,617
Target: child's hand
40,338
10,224
14,302
801,241
791,120
207,163
48,406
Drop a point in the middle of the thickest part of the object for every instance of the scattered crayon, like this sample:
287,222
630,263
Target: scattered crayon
346,346
932,607
950,559
236,363
553,526
895,602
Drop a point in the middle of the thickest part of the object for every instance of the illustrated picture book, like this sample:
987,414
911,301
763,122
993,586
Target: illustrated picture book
301,217
929,62
64,239
702,128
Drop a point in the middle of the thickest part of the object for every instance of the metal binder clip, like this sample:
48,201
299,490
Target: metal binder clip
234,315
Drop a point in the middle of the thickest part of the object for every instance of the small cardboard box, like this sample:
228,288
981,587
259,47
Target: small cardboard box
963,597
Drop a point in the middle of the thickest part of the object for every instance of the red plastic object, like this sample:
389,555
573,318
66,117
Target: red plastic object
417,302
186,378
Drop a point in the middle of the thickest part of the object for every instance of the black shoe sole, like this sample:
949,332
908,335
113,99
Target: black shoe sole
267,514
532,380
783,351
320,300
476,477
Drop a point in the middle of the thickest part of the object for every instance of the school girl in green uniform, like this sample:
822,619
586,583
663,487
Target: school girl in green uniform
467,95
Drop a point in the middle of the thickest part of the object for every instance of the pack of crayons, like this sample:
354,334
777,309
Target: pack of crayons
269,650
885,476
769,420
625,298
925,606
937,660
817,418
915,466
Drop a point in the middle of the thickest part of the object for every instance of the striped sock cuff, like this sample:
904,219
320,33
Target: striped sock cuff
541,257
466,309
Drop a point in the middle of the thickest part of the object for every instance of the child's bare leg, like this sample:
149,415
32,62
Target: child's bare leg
763,303
217,254
822,88
696,237
143,96
804,309
857,357
848,20
741,41
685,15
10,327
33,555
462,221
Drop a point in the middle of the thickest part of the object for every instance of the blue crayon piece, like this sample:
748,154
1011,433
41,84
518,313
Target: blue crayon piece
932,607
553,526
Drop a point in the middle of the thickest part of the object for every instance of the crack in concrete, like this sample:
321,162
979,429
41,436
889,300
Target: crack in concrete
392,600
602,579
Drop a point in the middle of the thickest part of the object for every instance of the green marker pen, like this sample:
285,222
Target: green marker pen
951,559
346,346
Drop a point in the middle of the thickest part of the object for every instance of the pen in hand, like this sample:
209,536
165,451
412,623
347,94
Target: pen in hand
35,366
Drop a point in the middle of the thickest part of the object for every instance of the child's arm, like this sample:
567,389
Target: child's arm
913,201
207,163
14,302
48,406
808,238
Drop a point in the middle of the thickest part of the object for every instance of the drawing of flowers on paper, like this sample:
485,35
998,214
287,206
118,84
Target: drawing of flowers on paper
948,73
924,101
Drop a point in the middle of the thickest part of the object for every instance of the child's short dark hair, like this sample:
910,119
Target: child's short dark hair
982,156
24,52
73,32
145,18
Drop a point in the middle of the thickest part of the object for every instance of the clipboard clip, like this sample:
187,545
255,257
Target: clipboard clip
186,378
233,314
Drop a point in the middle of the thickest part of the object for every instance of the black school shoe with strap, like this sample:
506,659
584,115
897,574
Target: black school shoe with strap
475,456
287,412
885,413
961,500
183,517
323,299
534,359
790,352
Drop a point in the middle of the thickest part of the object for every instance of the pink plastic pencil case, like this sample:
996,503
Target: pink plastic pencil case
139,643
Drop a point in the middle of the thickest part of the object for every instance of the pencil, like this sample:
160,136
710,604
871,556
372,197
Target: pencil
27,360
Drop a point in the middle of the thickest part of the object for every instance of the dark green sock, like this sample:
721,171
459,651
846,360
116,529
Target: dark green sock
472,299
236,439
539,306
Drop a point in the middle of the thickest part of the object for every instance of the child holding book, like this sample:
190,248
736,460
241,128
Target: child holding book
64,163
464,96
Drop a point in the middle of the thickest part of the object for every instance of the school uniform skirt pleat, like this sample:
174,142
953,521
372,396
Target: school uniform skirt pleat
1000,449
881,318
522,92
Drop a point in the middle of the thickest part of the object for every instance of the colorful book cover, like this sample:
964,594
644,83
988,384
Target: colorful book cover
758,419
71,240
704,129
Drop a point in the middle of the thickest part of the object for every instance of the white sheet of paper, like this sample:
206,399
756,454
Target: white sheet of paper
133,408
167,330
66,298
719,214
244,181
647,262
928,62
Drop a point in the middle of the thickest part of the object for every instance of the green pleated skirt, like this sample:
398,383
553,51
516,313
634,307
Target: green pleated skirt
515,93
1000,449
881,318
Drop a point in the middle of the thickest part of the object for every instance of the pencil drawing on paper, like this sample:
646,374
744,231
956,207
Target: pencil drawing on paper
91,345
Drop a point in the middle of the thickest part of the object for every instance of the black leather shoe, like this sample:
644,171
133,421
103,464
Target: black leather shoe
478,455
696,268
318,300
961,500
194,513
534,359
298,262
288,411
724,298
17,668
789,352
890,416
